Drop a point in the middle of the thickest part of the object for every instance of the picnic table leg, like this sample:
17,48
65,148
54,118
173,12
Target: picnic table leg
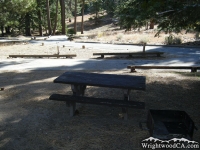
78,90
102,56
126,98
193,69
133,69
144,47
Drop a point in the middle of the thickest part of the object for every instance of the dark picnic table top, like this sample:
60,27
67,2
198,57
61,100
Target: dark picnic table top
103,80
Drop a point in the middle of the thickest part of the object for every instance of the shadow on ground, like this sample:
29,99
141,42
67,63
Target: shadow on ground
172,56
30,121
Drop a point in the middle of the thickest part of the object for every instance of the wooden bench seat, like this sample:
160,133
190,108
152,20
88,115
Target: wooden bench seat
97,101
130,54
40,56
193,68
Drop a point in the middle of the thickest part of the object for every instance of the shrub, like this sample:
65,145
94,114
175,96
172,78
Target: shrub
90,19
143,40
70,31
177,40
171,39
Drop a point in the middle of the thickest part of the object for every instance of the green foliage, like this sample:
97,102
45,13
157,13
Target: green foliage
170,15
129,14
13,12
182,16
109,6
95,6
23,6
91,18
70,31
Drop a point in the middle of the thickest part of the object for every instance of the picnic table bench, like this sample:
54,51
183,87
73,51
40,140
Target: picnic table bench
41,56
130,54
193,68
80,80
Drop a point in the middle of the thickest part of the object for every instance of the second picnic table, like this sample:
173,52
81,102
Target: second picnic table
80,80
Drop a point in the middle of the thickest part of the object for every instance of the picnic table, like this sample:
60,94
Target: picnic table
80,80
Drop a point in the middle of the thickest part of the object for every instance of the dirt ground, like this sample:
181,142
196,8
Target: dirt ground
107,32
30,121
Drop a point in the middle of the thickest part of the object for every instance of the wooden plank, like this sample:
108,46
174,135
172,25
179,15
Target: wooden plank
103,80
67,55
164,67
129,53
98,101
193,68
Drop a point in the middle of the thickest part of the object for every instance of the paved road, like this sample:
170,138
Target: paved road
174,56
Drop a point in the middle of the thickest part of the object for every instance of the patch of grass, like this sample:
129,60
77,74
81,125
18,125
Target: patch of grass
119,36
100,34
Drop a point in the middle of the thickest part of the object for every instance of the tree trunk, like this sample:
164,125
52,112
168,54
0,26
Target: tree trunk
82,20
96,12
147,25
62,4
48,17
151,24
70,8
55,25
40,18
27,25
2,32
7,30
75,11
